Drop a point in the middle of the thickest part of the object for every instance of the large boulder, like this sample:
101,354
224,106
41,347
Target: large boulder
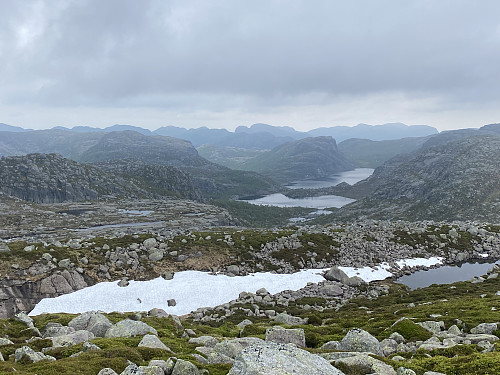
336,274
129,328
72,338
26,354
358,340
56,329
152,341
366,364
91,321
185,368
281,335
487,328
271,358
284,318
209,341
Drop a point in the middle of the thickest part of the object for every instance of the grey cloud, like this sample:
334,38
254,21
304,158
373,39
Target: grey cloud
221,54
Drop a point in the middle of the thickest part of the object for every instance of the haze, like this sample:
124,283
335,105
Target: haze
222,64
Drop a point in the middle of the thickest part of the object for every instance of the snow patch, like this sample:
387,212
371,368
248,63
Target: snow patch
190,289
415,262
368,274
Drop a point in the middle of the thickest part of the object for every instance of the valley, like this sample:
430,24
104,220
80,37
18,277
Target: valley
186,272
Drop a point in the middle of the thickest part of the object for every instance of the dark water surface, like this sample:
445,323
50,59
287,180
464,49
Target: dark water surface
445,274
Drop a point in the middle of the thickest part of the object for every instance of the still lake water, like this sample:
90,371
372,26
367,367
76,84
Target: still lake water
445,275
321,202
351,177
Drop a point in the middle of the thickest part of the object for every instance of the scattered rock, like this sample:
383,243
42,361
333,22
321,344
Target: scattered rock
129,328
281,335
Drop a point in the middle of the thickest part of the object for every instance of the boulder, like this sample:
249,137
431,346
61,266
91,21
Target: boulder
389,346
151,370
204,341
284,318
432,326
26,354
149,243
487,328
358,340
92,321
107,371
132,369
72,338
281,335
231,348
336,274
331,345
152,341
185,368
56,329
4,341
271,358
129,328
332,290
366,364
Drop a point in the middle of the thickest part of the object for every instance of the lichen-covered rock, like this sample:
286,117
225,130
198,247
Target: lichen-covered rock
132,369
107,371
358,340
271,358
367,364
72,338
487,328
331,345
284,318
56,329
4,341
152,341
281,335
129,328
204,341
185,368
26,354
432,326
92,321
231,348
151,370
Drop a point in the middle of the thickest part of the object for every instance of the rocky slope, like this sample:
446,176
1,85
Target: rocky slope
304,159
50,178
456,180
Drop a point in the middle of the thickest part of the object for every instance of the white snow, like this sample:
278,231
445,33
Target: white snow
195,289
427,262
190,289
367,273
484,255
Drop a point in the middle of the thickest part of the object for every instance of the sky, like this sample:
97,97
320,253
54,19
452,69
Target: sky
225,63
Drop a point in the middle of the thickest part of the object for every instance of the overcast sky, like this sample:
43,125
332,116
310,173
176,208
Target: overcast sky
224,63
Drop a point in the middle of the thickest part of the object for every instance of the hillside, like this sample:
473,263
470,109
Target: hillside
458,180
365,153
49,178
304,159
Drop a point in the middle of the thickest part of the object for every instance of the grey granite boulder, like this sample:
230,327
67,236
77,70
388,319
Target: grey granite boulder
270,358
367,364
336,274
152,341
107,371
91,321
129,328
56,329
26,354
72,338
358,340
281,335
185,368
204,341
284,318
487,328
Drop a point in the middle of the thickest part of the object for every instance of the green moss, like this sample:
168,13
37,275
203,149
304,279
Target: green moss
410,330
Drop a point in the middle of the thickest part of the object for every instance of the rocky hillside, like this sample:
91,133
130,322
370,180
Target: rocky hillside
364,153
304,159
50,178
456,180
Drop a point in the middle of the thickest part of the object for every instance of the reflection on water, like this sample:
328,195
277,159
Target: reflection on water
321,202
445,275
350,177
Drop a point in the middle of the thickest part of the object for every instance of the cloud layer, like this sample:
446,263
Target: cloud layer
225,63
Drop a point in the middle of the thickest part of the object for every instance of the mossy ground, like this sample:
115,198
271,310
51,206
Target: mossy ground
471,303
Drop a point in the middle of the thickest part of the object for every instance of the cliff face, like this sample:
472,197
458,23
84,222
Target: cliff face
50,178
18,295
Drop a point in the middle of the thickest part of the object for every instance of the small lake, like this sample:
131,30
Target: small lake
350,177
321,202
445,275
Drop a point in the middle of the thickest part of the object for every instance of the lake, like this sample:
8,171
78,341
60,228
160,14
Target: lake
445,274
350,177
320,202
